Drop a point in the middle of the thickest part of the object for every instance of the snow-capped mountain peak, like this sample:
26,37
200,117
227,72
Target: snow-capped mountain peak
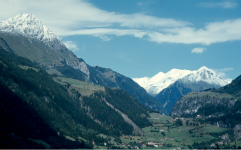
28,25
206,75
160,81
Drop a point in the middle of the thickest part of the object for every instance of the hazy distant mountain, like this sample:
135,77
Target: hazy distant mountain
160,81
205,75
27,37
196,81
169,87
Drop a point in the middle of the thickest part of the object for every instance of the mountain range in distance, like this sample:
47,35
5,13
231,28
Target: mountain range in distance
168,87
160,81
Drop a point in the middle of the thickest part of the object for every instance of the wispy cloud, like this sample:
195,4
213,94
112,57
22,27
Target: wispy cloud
79,17
222,73
198,50
71,45
213,32
225,5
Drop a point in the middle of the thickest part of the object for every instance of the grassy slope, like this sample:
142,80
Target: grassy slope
180,133
84,88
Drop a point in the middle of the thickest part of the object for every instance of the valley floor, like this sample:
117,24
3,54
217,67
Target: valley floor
164,134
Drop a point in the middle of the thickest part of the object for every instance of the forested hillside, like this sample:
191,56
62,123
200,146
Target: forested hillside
94,100
35,106
215,105
21,124
61,107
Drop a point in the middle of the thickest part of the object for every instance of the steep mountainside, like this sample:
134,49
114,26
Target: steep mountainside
217,105
47,106
107,77
27,37
21,125
63,108
199,80
171,94
100,102
233,88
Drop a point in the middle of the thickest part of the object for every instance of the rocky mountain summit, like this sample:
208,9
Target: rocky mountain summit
26,36
28,25
205,75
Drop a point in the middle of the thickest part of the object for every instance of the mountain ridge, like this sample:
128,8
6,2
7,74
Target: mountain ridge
29,26
160,81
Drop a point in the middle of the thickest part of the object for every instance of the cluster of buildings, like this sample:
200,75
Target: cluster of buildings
149,143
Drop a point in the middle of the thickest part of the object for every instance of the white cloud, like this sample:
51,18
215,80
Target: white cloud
79,17
105,38
198,50
79,13
225,5
71,45
214,32
222,73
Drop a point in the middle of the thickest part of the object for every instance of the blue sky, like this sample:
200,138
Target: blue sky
140,38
